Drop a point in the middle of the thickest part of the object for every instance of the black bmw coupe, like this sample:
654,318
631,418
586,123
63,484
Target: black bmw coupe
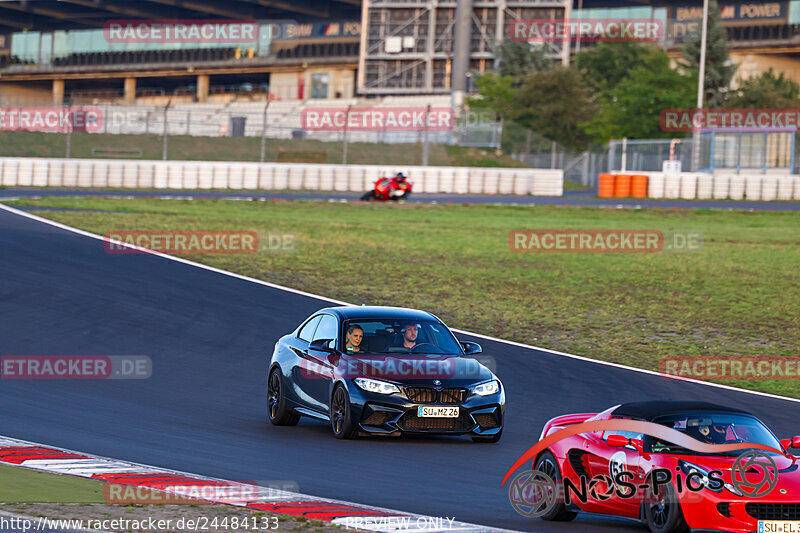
383,371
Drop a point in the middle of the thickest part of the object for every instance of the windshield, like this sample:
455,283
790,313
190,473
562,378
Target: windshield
714,428
388,336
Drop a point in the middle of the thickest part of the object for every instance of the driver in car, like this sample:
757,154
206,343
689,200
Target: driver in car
713,434
409,336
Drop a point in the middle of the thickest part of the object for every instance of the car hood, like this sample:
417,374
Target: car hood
788,484
416,369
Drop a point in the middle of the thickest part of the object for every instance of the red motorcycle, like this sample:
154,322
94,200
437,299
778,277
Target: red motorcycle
396,188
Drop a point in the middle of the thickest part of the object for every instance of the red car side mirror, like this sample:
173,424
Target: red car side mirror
618,441
794,442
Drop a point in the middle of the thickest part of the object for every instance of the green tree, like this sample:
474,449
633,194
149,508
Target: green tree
765,91
632,108
554,103
719,68
518,59
607,64
496,93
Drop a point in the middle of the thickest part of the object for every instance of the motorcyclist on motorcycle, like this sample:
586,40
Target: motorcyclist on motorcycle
396,188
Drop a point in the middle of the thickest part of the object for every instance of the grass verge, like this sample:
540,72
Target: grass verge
737,296
57,497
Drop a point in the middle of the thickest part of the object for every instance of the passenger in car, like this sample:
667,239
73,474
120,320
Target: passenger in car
355,334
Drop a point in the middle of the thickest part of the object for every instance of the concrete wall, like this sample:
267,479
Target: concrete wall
46,172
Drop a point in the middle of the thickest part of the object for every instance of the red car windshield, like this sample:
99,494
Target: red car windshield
714,428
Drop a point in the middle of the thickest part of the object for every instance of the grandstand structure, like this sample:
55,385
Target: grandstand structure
321,52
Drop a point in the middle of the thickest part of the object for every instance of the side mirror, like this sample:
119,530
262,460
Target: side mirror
617,441
794,442
321,345
471,348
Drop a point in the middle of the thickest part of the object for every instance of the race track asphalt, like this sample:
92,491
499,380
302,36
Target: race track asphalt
579,198
203,410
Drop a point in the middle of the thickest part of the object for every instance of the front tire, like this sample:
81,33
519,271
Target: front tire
277,409
341,418
368,196
547,464
663,513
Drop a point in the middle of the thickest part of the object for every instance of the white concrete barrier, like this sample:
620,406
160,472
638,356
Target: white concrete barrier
689,186
235,176
296,177
39,178
267,176
10,175
190,177
115,174
785,184
250,178
70,176
737,186
752,187
55,175
25,172
655,185
705,186
720,188
672,186
769,188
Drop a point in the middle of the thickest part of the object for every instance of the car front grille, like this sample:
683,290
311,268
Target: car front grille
422,394
773,511
452,395
431,395
411,422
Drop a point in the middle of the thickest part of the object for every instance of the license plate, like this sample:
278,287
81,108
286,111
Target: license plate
778,526
437,412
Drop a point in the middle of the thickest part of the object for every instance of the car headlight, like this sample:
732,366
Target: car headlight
688,468
487,388
376,385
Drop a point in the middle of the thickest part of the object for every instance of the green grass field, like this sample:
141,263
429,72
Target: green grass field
738,296
21,485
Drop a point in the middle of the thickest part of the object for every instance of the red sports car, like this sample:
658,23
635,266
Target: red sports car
697,491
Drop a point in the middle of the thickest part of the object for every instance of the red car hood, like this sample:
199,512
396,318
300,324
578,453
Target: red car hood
786,490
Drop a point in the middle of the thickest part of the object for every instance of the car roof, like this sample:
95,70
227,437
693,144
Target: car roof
367,311
656,409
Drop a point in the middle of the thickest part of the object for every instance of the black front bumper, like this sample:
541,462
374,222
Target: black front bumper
396,414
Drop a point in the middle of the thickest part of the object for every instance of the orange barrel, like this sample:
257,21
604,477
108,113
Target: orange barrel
605,185
622,186
639,186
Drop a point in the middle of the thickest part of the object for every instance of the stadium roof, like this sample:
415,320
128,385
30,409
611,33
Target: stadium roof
44,15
